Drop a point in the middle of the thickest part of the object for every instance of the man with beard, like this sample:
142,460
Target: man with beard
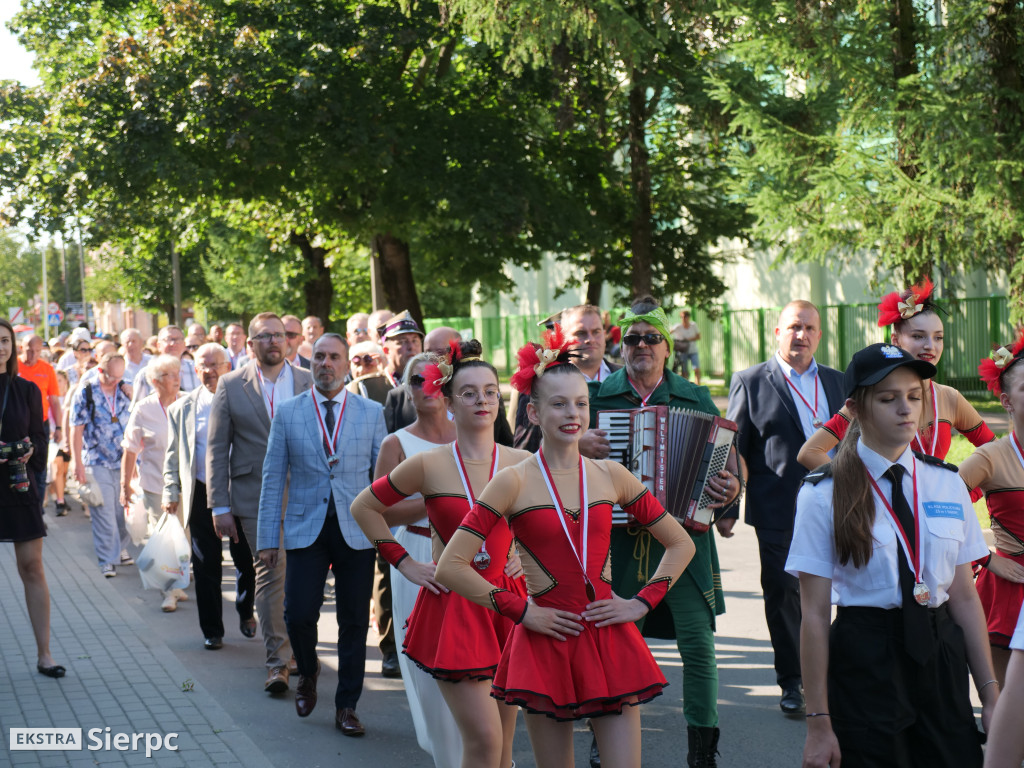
323,445
243,408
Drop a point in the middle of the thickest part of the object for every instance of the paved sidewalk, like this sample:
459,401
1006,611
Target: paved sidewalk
128,665
120,675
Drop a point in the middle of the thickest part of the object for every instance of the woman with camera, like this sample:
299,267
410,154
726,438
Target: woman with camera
22,456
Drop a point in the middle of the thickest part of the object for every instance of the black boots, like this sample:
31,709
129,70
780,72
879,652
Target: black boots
703,747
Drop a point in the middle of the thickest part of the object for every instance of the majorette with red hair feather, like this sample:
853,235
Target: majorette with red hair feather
534,359
918,329
996,471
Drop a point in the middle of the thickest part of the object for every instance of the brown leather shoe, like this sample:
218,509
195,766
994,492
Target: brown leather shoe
293,666
277,680
346,721
305,693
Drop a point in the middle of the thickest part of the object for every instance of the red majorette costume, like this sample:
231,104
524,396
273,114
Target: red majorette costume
447,636
565,554
944,405
996,471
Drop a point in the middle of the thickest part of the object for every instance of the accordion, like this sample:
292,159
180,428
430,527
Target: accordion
673,452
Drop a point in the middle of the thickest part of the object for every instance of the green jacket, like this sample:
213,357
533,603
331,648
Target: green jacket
631,566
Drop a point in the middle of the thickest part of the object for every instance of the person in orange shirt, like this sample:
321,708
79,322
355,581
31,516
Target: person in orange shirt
31,366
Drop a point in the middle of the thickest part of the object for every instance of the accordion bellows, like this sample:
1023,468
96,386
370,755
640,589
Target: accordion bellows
673,452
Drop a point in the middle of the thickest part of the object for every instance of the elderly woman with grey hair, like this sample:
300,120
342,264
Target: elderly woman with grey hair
145,442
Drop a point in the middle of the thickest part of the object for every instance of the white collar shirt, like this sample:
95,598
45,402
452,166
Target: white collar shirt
602,373
950,530
204,403
813,391
276,392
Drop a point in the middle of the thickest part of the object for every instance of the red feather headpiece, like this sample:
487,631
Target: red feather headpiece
992,369
436,375
898,306
534,359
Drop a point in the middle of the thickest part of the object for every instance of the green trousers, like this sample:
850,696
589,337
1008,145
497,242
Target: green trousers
684,614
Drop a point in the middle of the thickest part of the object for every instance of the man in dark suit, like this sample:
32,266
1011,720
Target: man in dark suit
293,332
777,405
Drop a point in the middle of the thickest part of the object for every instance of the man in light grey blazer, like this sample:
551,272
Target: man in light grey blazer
324,445
185,484
243,407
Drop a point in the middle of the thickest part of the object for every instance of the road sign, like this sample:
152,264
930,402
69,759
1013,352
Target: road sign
53,308
54,318
16,314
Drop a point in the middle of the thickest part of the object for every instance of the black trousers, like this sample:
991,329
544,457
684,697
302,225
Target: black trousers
781,604
208,562
889,711
305,576
382,605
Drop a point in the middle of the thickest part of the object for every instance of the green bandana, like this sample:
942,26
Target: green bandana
655,317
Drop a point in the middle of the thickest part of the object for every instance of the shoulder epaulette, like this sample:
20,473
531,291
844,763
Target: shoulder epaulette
936,462
815,476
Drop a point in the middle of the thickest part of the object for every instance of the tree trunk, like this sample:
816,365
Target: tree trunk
396,275
904,64
595,283
640,179
318,289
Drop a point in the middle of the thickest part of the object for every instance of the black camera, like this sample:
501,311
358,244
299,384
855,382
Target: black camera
9,453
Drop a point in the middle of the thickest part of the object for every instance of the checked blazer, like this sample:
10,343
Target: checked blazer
296,458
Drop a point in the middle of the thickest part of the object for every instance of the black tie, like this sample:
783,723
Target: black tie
917,634
329,424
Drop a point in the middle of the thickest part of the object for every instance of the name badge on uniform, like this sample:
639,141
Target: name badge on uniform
948,509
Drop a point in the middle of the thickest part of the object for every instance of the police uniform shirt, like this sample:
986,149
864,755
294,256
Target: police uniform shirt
951,534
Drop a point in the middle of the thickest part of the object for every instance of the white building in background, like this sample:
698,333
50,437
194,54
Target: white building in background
753,281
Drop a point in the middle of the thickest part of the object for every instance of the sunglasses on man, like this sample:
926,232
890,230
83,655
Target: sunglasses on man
363,359
650,339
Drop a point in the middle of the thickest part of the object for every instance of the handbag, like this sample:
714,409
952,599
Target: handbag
163,562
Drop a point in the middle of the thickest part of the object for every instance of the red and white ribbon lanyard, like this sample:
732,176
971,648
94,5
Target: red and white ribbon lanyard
815,421
331,440
935,425
482,559
1015,443
112,404
391,378
560,510
643,400
263,388
921,593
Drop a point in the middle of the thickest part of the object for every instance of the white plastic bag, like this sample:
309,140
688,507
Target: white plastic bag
136,519
163,562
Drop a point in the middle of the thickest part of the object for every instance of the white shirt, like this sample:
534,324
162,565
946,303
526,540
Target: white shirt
203,405
142,388
602,373
951,532
131,370
276,392
146,435
805,382
237,361
339,401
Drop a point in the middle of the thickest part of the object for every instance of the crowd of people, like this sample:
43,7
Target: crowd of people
478,533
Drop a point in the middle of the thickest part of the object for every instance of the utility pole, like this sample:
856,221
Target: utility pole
176,280
44,309
81,267
64,270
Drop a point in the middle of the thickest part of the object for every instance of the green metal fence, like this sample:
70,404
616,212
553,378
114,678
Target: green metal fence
739,338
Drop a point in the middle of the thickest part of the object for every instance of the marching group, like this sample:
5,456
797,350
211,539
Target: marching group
479,532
